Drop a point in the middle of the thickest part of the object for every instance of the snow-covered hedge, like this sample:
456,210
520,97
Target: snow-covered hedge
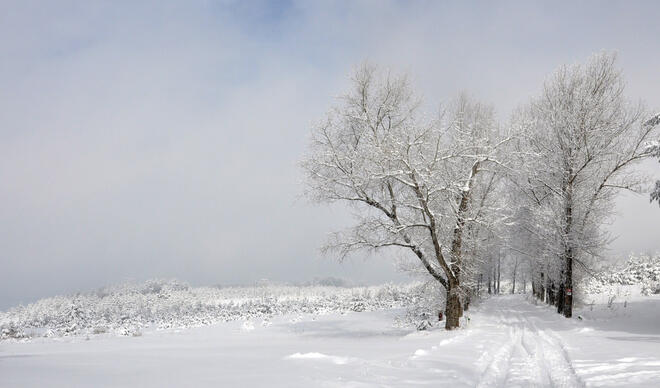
643,271
422,312
127,308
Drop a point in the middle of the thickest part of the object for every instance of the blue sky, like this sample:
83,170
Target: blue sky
161,139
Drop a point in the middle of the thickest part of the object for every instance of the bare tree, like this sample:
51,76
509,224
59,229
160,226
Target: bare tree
582,138
425,186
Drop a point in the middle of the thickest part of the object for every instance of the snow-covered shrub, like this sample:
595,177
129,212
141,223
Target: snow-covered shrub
11,331
643,271
422,310
126,309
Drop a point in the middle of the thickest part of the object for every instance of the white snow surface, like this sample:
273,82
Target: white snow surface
509,341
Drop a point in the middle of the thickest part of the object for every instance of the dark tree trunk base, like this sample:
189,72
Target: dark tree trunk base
453,311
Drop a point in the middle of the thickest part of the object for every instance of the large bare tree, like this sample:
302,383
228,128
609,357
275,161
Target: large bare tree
425,186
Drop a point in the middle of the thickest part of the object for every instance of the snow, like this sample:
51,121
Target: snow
642,271
320,356
509,341
128,309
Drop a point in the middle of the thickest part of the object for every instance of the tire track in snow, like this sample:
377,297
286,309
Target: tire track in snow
535,351
525,369
529,356
495,372
554,357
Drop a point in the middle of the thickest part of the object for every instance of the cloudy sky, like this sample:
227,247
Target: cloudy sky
161,139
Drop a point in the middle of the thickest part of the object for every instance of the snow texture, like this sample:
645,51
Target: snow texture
642,270
128,309
509,341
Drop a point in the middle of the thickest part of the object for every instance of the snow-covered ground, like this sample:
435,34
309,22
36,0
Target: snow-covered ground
508,341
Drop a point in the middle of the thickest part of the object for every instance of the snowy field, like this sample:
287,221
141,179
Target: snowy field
508,341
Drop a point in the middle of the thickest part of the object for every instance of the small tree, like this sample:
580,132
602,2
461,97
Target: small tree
422,185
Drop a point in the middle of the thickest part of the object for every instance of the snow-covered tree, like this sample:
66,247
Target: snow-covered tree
653,148
426,186
582,138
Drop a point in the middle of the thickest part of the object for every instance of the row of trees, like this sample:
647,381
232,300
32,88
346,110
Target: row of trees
458,190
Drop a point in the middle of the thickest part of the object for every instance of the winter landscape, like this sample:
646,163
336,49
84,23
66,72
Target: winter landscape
342,194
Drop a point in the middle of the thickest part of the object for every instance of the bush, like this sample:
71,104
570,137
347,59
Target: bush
126,309
643,271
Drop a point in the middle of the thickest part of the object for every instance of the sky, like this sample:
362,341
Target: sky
145,139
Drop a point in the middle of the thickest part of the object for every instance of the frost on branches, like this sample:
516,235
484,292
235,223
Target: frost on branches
581,140
128,308
653,149
642,271
428,187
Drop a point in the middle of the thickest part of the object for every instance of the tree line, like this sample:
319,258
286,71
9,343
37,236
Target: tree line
459,191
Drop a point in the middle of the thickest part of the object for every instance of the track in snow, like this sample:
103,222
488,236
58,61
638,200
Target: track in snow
527,356
508,342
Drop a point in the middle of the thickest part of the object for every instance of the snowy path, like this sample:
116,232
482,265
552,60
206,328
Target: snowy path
527,356
509,342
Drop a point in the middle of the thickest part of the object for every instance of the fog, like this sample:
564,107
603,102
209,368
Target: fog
162,139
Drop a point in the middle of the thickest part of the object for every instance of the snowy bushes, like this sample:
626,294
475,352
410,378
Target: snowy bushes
128,308
9,330
422,312
643,271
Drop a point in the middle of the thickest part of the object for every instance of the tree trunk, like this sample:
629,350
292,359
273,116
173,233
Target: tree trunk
479,280
568,287
499,273
490,278
454,307
565,302
453,310
559,298
551,294
513,286
566,293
